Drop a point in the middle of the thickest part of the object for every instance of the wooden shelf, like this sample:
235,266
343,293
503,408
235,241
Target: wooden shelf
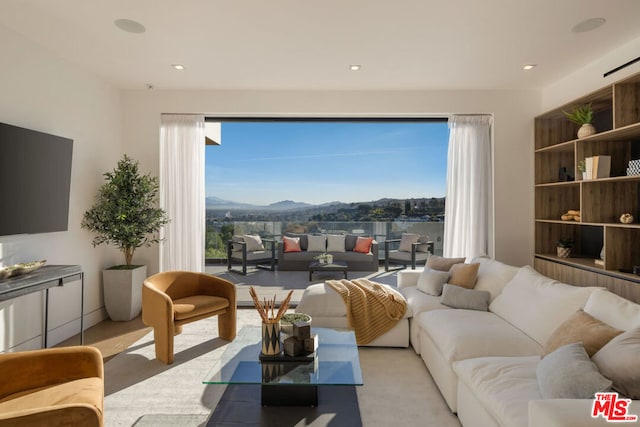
590,265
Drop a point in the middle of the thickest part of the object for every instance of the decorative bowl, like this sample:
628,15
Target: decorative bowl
26,267
287,321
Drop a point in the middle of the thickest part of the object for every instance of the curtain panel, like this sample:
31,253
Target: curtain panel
182,192
468,208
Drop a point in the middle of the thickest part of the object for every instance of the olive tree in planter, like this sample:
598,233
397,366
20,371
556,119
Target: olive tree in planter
125,214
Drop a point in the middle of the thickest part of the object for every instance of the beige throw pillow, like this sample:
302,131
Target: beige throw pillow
619,361
581,327
443,264
463,275
254,242
316,243
335,243
407,240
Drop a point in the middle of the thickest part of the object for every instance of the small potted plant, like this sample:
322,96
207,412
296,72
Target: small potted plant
582,168
564,247
125,215
325,258
582,116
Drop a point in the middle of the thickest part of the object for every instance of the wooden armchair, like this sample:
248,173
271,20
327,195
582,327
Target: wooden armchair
52,387
174,298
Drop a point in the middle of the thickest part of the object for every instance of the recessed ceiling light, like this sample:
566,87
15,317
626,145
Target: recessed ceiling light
129,26
588,25
529,66
178,66
354,67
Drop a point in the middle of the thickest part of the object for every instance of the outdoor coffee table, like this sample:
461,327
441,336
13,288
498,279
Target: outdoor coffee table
286,383
339,266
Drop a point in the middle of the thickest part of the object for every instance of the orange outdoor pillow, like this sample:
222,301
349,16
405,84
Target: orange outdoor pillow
363,245
291,244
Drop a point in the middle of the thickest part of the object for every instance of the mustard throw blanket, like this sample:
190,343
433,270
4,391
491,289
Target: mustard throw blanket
372,309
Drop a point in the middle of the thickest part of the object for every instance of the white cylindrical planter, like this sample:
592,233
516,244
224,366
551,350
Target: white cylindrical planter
123,292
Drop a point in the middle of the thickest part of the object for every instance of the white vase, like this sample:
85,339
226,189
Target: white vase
585,130
123,292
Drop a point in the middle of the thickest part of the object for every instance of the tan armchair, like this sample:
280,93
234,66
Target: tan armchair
52,387
174,298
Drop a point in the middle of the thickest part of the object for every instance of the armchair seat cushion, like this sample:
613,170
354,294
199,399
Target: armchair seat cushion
80,392
406,256
195,305
253,256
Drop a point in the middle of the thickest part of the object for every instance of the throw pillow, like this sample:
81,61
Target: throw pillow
618,360
443,264
459,297
407,240
431,281
335,243
568,373
613,310
424,244
291,244
254,242
363,245
581,327
316,243
464,275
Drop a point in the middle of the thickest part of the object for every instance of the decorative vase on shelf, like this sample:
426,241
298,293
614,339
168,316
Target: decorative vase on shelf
585,130
564,252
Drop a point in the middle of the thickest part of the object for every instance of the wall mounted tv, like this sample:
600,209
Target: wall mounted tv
35,178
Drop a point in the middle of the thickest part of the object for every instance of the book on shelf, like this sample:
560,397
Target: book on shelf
597,167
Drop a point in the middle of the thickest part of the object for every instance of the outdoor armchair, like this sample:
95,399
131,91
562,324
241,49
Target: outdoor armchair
407,252
251,250
174,298
52,387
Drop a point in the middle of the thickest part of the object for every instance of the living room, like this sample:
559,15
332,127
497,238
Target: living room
108,107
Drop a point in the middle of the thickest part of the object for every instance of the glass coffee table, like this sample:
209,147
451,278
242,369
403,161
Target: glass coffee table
339,266
288,383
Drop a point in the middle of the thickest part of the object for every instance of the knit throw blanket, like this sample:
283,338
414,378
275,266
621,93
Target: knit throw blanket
372,309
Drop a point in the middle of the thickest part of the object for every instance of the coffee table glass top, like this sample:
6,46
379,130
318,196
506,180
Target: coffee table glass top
336,362
335,265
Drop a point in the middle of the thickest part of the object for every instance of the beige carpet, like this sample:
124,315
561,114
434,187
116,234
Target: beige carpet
139,390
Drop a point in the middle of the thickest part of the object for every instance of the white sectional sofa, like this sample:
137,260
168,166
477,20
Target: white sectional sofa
487,364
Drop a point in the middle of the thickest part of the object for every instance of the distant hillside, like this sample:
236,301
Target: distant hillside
217,203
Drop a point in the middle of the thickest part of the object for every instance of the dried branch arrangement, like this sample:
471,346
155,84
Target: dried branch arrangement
269,306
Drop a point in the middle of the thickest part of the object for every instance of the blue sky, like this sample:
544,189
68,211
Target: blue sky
319,162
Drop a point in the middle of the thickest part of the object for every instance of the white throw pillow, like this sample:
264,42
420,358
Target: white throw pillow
254,242
493,275
407,240
335,243
537,304
432,281
613,310
316,243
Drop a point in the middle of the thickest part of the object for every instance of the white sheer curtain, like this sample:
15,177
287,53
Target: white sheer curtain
182,193
468,210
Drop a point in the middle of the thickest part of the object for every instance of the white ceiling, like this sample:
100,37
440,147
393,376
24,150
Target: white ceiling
304,44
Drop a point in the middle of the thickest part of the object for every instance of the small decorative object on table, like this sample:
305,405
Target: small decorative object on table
288,320
571,215
564,247
270,321
626,218
20,268
324,258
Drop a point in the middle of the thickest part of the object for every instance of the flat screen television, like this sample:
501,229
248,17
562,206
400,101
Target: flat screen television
35,179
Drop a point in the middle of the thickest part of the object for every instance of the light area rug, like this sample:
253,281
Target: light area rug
141,391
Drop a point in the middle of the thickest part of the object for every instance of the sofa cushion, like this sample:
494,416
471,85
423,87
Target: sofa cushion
470,299
424,244
363,245
350,242
407,240
196,305
584,328
568,373
431,281
254,242
537,304
443,264
463,275
463,334
418,301
335,243
291,244
619,361
493,275
503,385
613,310
316,243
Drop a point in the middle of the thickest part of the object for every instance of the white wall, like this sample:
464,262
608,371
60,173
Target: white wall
590,78
513,137
44,93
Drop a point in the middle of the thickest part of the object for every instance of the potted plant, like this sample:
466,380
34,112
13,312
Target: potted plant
125,215
564,247
582,116
582,168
